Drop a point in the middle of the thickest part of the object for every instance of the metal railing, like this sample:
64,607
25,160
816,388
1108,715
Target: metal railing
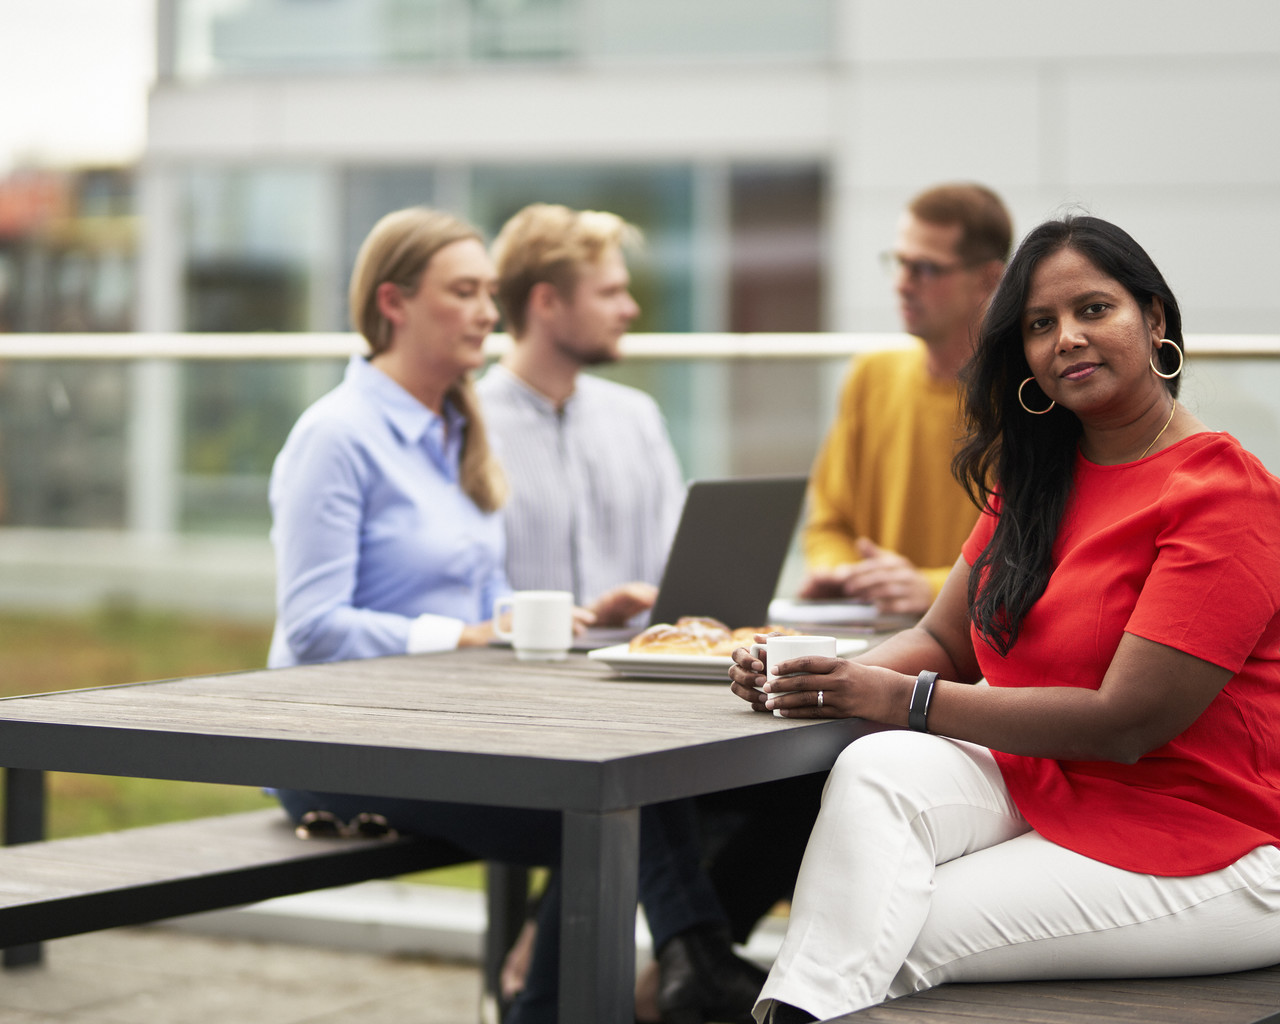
322,345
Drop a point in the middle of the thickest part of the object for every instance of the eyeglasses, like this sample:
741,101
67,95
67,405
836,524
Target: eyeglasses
917,270
327,825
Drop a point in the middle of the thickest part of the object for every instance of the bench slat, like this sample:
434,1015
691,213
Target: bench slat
70,886
1248,997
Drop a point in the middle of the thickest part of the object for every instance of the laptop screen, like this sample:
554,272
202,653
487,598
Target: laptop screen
726,557
729,549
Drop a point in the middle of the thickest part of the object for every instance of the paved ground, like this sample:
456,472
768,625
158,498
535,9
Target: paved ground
387,952
160,976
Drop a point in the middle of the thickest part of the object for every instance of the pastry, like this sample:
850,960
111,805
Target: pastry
688,635
693,634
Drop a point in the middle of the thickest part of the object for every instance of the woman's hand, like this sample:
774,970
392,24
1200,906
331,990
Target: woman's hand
848,689
479,634
745,674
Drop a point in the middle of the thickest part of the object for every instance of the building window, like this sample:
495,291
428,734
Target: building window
658,200
368,194
775,249
234,37
252,241
258,256
671,29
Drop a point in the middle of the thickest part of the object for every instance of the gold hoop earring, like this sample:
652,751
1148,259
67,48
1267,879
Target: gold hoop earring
1181,360
1034,412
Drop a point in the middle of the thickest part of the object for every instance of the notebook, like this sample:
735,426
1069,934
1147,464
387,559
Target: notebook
727,554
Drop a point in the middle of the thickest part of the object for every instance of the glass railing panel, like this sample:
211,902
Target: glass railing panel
79,451
64,444
236,415
1240,396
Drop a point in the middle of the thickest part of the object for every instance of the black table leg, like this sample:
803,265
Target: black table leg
600,860
23,823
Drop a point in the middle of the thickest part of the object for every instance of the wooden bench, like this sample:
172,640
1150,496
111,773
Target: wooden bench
53,888
1249,997
69,886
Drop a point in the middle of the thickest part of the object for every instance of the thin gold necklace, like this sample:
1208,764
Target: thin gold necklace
1161,434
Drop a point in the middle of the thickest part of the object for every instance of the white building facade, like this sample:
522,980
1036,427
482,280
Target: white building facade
766,147
757,141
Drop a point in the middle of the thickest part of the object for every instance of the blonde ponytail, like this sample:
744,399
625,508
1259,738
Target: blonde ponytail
481,476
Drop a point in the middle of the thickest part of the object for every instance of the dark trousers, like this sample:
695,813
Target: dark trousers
753,839
673,887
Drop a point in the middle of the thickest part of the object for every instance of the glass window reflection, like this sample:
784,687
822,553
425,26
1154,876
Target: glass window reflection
658,200
255,253
239,37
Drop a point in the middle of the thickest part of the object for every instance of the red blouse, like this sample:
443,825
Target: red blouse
1182,548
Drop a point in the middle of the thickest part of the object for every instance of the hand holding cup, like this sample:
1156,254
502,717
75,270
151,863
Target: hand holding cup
780,649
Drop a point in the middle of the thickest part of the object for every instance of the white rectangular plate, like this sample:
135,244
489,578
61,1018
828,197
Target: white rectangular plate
699,667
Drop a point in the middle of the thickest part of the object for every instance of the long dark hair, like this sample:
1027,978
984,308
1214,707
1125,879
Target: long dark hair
1029,460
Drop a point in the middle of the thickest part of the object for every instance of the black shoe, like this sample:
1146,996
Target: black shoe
700,978
785,1013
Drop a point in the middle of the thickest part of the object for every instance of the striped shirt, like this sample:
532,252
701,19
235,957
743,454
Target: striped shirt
596,488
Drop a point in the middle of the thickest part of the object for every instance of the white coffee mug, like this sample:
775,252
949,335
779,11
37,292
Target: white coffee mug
783,648
541,623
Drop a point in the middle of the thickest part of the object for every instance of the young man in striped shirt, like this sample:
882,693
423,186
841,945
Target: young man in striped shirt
596,489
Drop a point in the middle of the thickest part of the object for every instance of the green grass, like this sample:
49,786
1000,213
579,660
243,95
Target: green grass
43,653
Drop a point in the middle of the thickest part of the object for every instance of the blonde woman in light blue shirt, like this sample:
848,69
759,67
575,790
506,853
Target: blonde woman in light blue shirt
385,496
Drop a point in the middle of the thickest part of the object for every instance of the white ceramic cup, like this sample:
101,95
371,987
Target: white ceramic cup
541,623
783,648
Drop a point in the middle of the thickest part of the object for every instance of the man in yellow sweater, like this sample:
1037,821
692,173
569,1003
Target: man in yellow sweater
886,518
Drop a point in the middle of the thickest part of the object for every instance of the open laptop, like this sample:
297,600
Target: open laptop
727,554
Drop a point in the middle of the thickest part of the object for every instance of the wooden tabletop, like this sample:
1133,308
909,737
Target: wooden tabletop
568,735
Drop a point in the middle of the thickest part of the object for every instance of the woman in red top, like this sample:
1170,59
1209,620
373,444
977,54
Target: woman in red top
1107,803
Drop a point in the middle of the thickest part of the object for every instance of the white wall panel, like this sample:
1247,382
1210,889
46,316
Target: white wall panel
925,124
227,121
783,112
1160,114
1191,123
975,30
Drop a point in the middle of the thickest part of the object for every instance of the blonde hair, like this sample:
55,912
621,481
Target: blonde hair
546,242
397,251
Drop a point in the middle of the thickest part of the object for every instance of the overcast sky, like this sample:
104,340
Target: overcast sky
73,80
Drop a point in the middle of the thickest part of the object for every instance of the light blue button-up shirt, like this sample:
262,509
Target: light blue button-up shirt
378,550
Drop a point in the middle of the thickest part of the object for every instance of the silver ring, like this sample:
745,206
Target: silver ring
819,698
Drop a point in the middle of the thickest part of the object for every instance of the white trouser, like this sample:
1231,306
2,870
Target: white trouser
920,870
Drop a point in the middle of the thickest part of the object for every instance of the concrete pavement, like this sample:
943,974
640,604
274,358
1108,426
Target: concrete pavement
156,975
386,952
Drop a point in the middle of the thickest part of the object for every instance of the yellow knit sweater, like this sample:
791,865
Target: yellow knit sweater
884,471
